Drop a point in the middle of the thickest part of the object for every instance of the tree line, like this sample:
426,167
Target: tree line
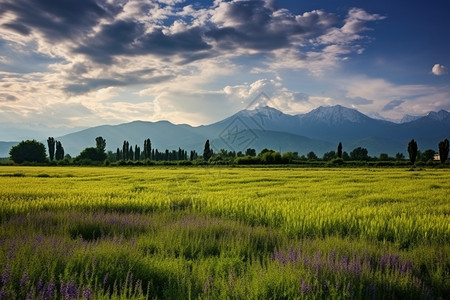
33,151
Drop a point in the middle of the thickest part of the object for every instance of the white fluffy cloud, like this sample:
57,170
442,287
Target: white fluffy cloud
439,70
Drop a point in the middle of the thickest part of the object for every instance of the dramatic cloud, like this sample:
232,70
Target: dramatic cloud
438,70
118,60
56,21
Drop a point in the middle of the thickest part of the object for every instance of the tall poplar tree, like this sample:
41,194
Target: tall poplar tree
443,150
207,151
412,151
51,148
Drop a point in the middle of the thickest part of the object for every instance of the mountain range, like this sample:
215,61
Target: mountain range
319,130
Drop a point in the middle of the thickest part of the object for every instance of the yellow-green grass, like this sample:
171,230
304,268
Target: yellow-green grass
205,232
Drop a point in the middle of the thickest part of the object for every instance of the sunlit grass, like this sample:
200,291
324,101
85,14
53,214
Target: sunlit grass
208,233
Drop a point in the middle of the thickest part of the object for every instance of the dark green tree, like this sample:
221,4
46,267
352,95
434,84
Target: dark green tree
339,150
207,153
147,149
383,157
166,155
137,152
101,144
250,152
399,156
131,153
359,154
51,148
329,156
345,156
92,154
118,155
110,156
125,149
59,151
311,156
31,151
428,155
193,155
412,151
443,150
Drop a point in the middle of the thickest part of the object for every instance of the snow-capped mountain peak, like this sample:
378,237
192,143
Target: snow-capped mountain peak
409,118
336,114
439,116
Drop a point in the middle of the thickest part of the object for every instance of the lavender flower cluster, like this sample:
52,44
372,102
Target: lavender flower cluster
354,265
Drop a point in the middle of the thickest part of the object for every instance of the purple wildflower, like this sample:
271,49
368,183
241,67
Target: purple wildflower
49,291
343,264
87,294
5,276
39,285
406,267
3,294
24,279
305,287
355,267
70,291
277,255
293,256
38,240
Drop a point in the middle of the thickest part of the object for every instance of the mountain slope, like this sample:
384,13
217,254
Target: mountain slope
319,130
162,134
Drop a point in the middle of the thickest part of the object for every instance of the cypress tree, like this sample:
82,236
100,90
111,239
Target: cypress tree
443,150
59,151
51,148
118,154
147,149
412,151
207,151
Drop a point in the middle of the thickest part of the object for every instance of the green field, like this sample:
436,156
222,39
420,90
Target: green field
224,233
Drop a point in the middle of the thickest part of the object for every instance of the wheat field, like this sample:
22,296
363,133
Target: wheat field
224,233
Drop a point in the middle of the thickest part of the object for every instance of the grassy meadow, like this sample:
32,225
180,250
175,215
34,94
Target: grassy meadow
224,233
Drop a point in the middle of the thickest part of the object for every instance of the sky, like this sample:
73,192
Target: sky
71,64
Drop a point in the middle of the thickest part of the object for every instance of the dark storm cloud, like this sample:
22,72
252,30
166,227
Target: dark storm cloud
228,26
189,41
112,39
129,38
58,20
90,84
19,28
245,24
393,104
229,38
258,26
